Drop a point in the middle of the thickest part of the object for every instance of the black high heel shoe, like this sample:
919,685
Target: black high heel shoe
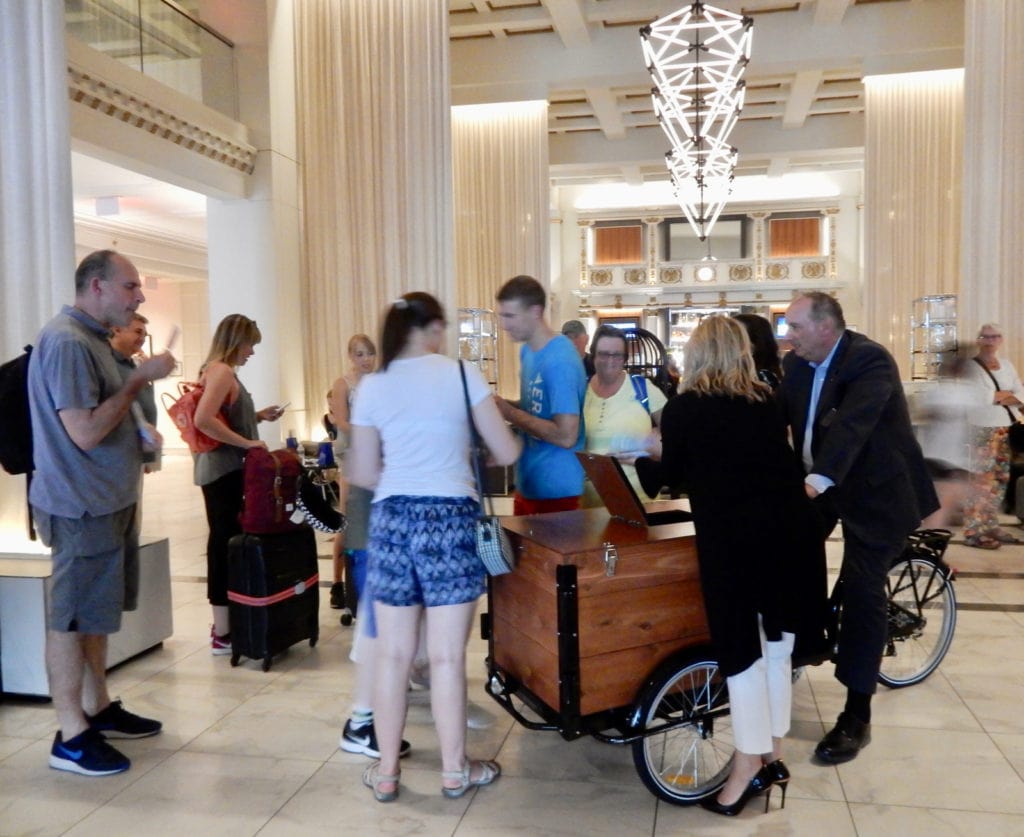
780,776
761,783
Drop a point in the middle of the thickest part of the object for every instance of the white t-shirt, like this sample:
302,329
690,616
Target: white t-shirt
985,413
419,410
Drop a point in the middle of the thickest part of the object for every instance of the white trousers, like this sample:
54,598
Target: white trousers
761,696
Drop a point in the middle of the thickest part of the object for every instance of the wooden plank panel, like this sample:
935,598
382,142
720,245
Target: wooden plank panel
527,660
611,680
528,600
630,618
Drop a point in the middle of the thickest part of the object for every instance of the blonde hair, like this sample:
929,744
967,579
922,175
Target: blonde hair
718,361
234,331
357,340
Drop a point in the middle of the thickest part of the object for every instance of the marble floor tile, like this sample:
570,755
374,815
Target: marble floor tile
995,700
200,794
1011,745
933,822
334,801
811,817
518,805
923,768
281,725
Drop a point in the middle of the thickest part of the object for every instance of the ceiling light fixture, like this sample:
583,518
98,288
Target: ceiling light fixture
696,58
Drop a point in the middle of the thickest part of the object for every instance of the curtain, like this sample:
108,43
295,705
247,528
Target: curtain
912,198
372,89
993,245
500,169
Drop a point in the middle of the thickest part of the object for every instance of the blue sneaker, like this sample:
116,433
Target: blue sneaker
87,753
117,722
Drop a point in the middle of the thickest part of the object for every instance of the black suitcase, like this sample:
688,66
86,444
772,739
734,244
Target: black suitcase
273,593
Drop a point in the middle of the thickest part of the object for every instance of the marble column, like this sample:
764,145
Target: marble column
254,243
36,216
992,252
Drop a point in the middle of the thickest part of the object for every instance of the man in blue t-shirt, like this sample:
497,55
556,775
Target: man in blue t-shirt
552,386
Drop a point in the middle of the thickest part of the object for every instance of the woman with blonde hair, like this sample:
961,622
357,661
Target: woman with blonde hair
219,471
759,544
362,356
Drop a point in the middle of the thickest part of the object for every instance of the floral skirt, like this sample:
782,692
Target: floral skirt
990,472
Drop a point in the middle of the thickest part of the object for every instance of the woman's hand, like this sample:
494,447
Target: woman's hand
272,413
257,443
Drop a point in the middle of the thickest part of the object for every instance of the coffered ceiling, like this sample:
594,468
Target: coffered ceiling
804,107
805,98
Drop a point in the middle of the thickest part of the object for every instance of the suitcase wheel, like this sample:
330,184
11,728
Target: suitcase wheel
266,663
234,659
346,617
312,641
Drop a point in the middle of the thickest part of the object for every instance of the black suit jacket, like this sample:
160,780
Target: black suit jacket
862,439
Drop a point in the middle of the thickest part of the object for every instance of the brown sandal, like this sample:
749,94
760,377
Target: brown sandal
982,542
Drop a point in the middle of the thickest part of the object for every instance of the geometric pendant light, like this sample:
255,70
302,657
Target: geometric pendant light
696,58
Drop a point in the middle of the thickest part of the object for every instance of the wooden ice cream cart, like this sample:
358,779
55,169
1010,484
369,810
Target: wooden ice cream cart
601,630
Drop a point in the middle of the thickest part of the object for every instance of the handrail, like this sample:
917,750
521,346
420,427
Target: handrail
201,24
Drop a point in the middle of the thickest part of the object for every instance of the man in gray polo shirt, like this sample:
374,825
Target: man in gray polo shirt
88,451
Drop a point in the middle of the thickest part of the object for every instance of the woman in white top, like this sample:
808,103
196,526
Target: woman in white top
615,417
998,391
410,445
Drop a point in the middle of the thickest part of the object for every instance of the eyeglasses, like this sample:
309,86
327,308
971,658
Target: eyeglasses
610,355
990,336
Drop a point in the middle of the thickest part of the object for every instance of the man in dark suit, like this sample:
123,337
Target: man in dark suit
843,400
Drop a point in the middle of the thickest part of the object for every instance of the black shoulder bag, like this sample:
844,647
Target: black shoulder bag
1015,432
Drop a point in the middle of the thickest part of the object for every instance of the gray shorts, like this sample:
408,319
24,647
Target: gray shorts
87,591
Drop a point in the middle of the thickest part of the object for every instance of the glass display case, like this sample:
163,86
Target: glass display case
478,341
682,322
933,335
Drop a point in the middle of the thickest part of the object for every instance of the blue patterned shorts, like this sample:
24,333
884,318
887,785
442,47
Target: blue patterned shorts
422,551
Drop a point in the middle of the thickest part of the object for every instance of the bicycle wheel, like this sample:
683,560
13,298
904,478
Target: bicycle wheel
685,764
922,618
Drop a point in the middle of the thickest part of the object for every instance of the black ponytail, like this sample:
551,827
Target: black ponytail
409,311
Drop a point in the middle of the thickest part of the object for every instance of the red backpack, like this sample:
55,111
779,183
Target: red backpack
270,492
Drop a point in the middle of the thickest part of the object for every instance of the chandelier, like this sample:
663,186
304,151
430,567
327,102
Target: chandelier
696,57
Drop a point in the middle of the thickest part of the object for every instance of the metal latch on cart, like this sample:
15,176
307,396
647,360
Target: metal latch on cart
611,558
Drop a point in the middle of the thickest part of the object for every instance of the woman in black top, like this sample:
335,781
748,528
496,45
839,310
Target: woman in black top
759,545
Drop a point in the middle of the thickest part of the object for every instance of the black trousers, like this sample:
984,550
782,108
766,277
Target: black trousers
223,500
864,626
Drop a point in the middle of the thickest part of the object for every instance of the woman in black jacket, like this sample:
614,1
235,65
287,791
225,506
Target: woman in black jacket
759,544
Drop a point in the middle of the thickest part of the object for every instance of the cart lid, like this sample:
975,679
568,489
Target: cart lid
621,500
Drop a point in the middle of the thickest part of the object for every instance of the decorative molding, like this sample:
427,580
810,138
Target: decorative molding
741,273
776,271
812,270
601,277
671,276
635,276
118,104
584,226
